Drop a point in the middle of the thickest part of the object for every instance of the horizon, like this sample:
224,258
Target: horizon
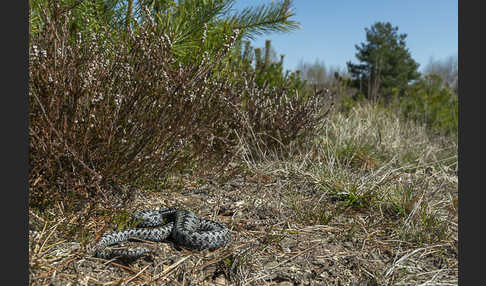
330,31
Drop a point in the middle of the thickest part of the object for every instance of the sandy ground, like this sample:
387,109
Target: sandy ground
271,243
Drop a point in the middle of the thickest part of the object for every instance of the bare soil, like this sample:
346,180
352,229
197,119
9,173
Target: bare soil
272,244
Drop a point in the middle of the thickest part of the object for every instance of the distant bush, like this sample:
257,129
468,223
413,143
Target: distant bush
430,102
426,101
447,69
268,71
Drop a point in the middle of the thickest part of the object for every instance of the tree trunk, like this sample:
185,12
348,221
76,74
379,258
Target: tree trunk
128,17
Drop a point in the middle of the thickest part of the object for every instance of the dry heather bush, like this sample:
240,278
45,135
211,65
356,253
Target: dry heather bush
108,111
277,118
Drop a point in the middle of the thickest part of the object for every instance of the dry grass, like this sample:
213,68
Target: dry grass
373,201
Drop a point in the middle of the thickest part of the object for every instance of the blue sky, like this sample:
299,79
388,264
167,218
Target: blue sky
331,29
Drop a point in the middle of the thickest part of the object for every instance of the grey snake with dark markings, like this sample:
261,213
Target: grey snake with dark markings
182,227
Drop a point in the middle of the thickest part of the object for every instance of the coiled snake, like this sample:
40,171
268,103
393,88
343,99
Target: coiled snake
183,228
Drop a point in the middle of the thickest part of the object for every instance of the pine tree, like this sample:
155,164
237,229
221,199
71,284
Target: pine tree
386,66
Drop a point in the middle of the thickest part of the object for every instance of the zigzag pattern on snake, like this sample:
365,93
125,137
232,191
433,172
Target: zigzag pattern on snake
183,228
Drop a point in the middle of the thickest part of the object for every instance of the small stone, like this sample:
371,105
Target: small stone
288,243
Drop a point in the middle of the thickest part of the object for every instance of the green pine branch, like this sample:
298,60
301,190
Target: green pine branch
263,19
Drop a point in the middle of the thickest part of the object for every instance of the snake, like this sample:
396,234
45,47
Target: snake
182,227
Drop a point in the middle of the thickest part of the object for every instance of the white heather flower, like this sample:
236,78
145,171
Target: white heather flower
35,50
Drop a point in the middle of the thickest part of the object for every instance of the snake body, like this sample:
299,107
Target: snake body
182,227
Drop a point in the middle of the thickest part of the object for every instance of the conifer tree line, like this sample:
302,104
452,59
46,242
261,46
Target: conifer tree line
385,66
